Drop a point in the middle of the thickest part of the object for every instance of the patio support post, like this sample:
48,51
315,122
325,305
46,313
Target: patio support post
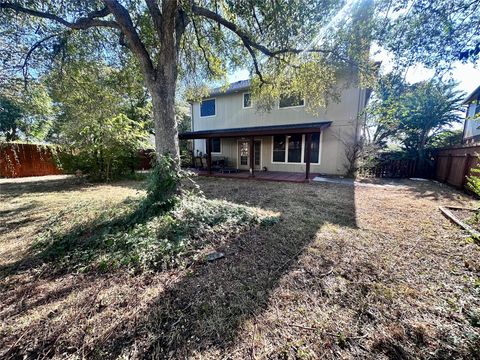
308,153
252,156
192,152
209,156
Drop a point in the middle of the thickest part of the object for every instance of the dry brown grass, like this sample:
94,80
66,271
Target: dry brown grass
364,272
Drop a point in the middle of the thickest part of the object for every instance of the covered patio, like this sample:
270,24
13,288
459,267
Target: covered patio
249,137
280,176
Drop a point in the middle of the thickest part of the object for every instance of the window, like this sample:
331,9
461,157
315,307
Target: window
216,145
291,101
244,153
295,148
256,150
247,100
279,148
207,108
288,149
315,149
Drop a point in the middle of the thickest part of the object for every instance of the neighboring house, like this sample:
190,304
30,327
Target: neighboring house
277,140
471,127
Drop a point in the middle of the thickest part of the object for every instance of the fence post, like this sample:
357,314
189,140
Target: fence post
466,169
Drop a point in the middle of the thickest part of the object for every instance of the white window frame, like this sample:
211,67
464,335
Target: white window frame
319,149
243,100
221,148
291,107
302,160
200,108
286,152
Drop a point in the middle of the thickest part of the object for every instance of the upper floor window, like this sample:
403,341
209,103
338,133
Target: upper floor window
207,108
247,100
291,101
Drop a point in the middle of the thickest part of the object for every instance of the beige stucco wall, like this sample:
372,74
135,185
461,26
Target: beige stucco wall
342,114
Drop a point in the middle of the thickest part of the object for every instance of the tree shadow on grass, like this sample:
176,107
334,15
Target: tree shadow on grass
14,189
204,310
84,242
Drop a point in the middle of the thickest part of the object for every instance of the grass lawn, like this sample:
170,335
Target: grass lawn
310,271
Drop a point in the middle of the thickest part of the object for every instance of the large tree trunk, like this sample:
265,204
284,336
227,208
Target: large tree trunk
163,86
160,76
163,101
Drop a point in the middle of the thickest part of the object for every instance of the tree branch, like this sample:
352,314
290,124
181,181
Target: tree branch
125,24
80,24
156,15
246,39
197,10
199,43
255,63
30,52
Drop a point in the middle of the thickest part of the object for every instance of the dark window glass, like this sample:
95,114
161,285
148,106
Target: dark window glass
256,154
207,107
295,148
315,146
247,100
216,145
293,100
244,153
279,148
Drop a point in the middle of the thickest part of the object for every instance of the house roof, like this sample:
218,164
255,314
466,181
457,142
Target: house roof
474,95
237,86
257,131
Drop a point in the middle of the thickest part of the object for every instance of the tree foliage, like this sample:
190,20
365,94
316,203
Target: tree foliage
291,46
434,33
446,138
414,115
10,116
25,114
99,120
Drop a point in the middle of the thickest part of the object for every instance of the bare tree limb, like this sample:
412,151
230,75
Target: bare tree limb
30,52
80,24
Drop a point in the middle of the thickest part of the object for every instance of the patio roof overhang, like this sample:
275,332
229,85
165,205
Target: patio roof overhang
306,128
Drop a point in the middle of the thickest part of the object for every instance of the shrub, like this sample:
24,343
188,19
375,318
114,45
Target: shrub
473,181
105,149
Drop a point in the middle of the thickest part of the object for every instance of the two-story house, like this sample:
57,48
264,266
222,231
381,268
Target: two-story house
471,127
287,138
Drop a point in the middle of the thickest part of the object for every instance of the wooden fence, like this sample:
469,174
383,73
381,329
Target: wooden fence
19,160
455,164
393,169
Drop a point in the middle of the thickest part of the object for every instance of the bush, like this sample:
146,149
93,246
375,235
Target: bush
104,150
473,181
